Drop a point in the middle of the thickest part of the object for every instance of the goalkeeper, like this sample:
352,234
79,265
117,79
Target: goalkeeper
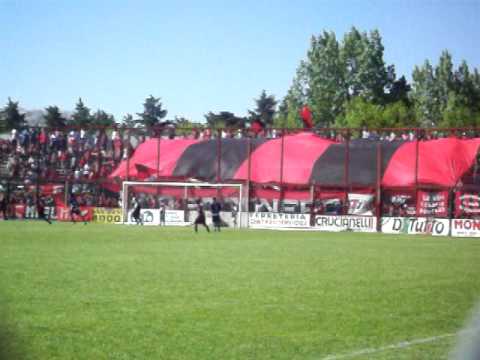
200,220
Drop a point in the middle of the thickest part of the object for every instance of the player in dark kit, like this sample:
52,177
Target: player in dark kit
41,211
200,220
215,209
136,211
75,209
3,205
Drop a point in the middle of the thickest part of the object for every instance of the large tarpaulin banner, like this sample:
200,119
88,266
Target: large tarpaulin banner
306,159
405,225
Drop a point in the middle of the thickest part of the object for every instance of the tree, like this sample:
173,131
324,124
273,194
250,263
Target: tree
324,74
398,114
10,116
374,75
128,121
360,112
224,119
288,111
81,116
54,118
265,109
444,81
400,92
153,113
457,113
365,71
101,118
350,57
334,74
424,95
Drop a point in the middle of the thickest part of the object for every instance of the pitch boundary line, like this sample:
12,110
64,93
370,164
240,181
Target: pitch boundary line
400,345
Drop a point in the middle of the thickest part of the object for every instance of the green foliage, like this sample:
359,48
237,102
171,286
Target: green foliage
288,111
101,118
445,96
54,118
335,73
324,78
184,125
10,116
224,119
424,95
153,113
81,116
362,113
128,121
398,114
399,91
457,113
126,292
265,109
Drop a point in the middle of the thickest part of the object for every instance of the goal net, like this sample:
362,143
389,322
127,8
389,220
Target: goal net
175,203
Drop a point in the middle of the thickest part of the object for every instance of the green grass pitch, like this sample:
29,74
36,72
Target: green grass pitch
125,292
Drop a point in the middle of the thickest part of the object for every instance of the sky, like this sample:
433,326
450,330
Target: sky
205,55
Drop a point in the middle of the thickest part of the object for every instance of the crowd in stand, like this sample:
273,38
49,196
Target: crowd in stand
78,155
33,156
90,155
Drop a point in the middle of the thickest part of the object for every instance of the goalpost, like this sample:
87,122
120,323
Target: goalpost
174,203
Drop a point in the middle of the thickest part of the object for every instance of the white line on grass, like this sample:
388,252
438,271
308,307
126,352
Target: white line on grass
400,345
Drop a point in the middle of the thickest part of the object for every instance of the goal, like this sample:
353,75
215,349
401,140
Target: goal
175,203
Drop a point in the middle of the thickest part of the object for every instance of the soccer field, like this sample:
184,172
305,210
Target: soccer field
124,292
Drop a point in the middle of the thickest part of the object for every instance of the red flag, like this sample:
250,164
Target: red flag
257,126
306,116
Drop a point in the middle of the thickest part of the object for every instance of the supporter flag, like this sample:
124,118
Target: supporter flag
306,115
257,126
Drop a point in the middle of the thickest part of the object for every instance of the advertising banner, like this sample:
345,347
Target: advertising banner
467,204
64,214
268,220
175,218
360,204
466,227
405,225
107,215
346,223
432,203
149,217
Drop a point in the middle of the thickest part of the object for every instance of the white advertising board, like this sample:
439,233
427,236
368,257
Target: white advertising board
421,225
346,223
149,217
175,218
466,227
270,220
